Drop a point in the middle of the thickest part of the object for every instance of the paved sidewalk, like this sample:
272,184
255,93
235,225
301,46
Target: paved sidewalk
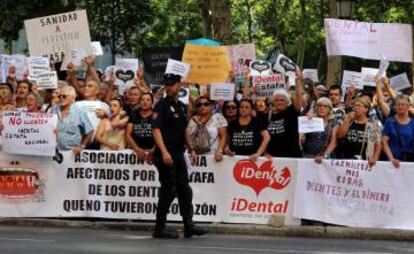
219,228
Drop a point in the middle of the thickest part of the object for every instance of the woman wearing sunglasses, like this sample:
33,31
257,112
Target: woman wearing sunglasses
248,135
206,132
230,110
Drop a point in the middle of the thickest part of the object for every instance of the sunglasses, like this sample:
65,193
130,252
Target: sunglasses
205,104
63,96
231,107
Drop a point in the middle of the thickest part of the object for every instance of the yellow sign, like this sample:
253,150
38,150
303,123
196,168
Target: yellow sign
209,64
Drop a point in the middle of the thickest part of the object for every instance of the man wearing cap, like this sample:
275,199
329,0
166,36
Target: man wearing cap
168,128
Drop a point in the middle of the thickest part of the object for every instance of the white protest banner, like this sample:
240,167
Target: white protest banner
352,78
97,48
90,108
258,68
120,185
284,65
127,63
177,68
223,92
77,56
37,66
351,193
384,63
368,76
56,35
29,133
307,124
369,40
400,82
266,85
47,80
311,74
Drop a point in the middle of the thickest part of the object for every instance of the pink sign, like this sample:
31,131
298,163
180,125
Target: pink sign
369,40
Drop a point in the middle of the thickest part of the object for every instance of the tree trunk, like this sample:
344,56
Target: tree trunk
221,19
9,46
334,62
249,20
304,27
204,6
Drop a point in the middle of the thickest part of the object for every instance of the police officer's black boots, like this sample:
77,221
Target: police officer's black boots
190,229
161,232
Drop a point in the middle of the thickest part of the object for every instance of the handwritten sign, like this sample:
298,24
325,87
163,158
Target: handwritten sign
56,35
29,133
47,80
177,68
223,92
266,85
400,82
352,78
369,40
368,76
37,66
209,64
311,74
307,125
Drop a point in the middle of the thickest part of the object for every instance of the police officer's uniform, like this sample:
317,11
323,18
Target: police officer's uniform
170,117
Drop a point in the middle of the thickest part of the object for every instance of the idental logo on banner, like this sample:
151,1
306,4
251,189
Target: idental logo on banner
247,172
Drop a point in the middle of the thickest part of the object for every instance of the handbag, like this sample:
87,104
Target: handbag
405,156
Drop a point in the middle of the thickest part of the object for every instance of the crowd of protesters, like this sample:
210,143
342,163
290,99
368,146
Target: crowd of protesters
372,124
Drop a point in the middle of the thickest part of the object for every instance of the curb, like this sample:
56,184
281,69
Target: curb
220,228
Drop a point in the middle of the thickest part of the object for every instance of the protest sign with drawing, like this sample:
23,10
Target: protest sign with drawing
240,57
284,65
97,48
29,133
125,72
258,68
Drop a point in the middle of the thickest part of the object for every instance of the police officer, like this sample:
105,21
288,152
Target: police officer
168,128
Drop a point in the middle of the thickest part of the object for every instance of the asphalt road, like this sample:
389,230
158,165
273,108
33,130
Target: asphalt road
39,240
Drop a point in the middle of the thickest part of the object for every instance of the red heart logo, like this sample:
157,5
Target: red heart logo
246,172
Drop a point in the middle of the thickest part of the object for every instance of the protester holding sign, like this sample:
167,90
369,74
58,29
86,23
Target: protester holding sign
206,131
111,130
248,135
362,138
139,129
34,102
72,123
283,122
320,145
398,134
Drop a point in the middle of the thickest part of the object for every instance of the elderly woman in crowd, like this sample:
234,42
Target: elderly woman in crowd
206,132
139,129
248,135
398,133
34,102
111,131
283,122
361,136
74,130
320,145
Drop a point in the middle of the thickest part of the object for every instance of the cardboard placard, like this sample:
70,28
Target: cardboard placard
47,80
209,64
352,78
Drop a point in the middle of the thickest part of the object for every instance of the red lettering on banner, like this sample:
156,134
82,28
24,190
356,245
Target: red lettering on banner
242,205
246,172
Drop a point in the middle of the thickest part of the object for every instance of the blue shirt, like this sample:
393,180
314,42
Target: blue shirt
406,133
70,129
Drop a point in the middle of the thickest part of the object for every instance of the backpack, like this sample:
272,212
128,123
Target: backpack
201,138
